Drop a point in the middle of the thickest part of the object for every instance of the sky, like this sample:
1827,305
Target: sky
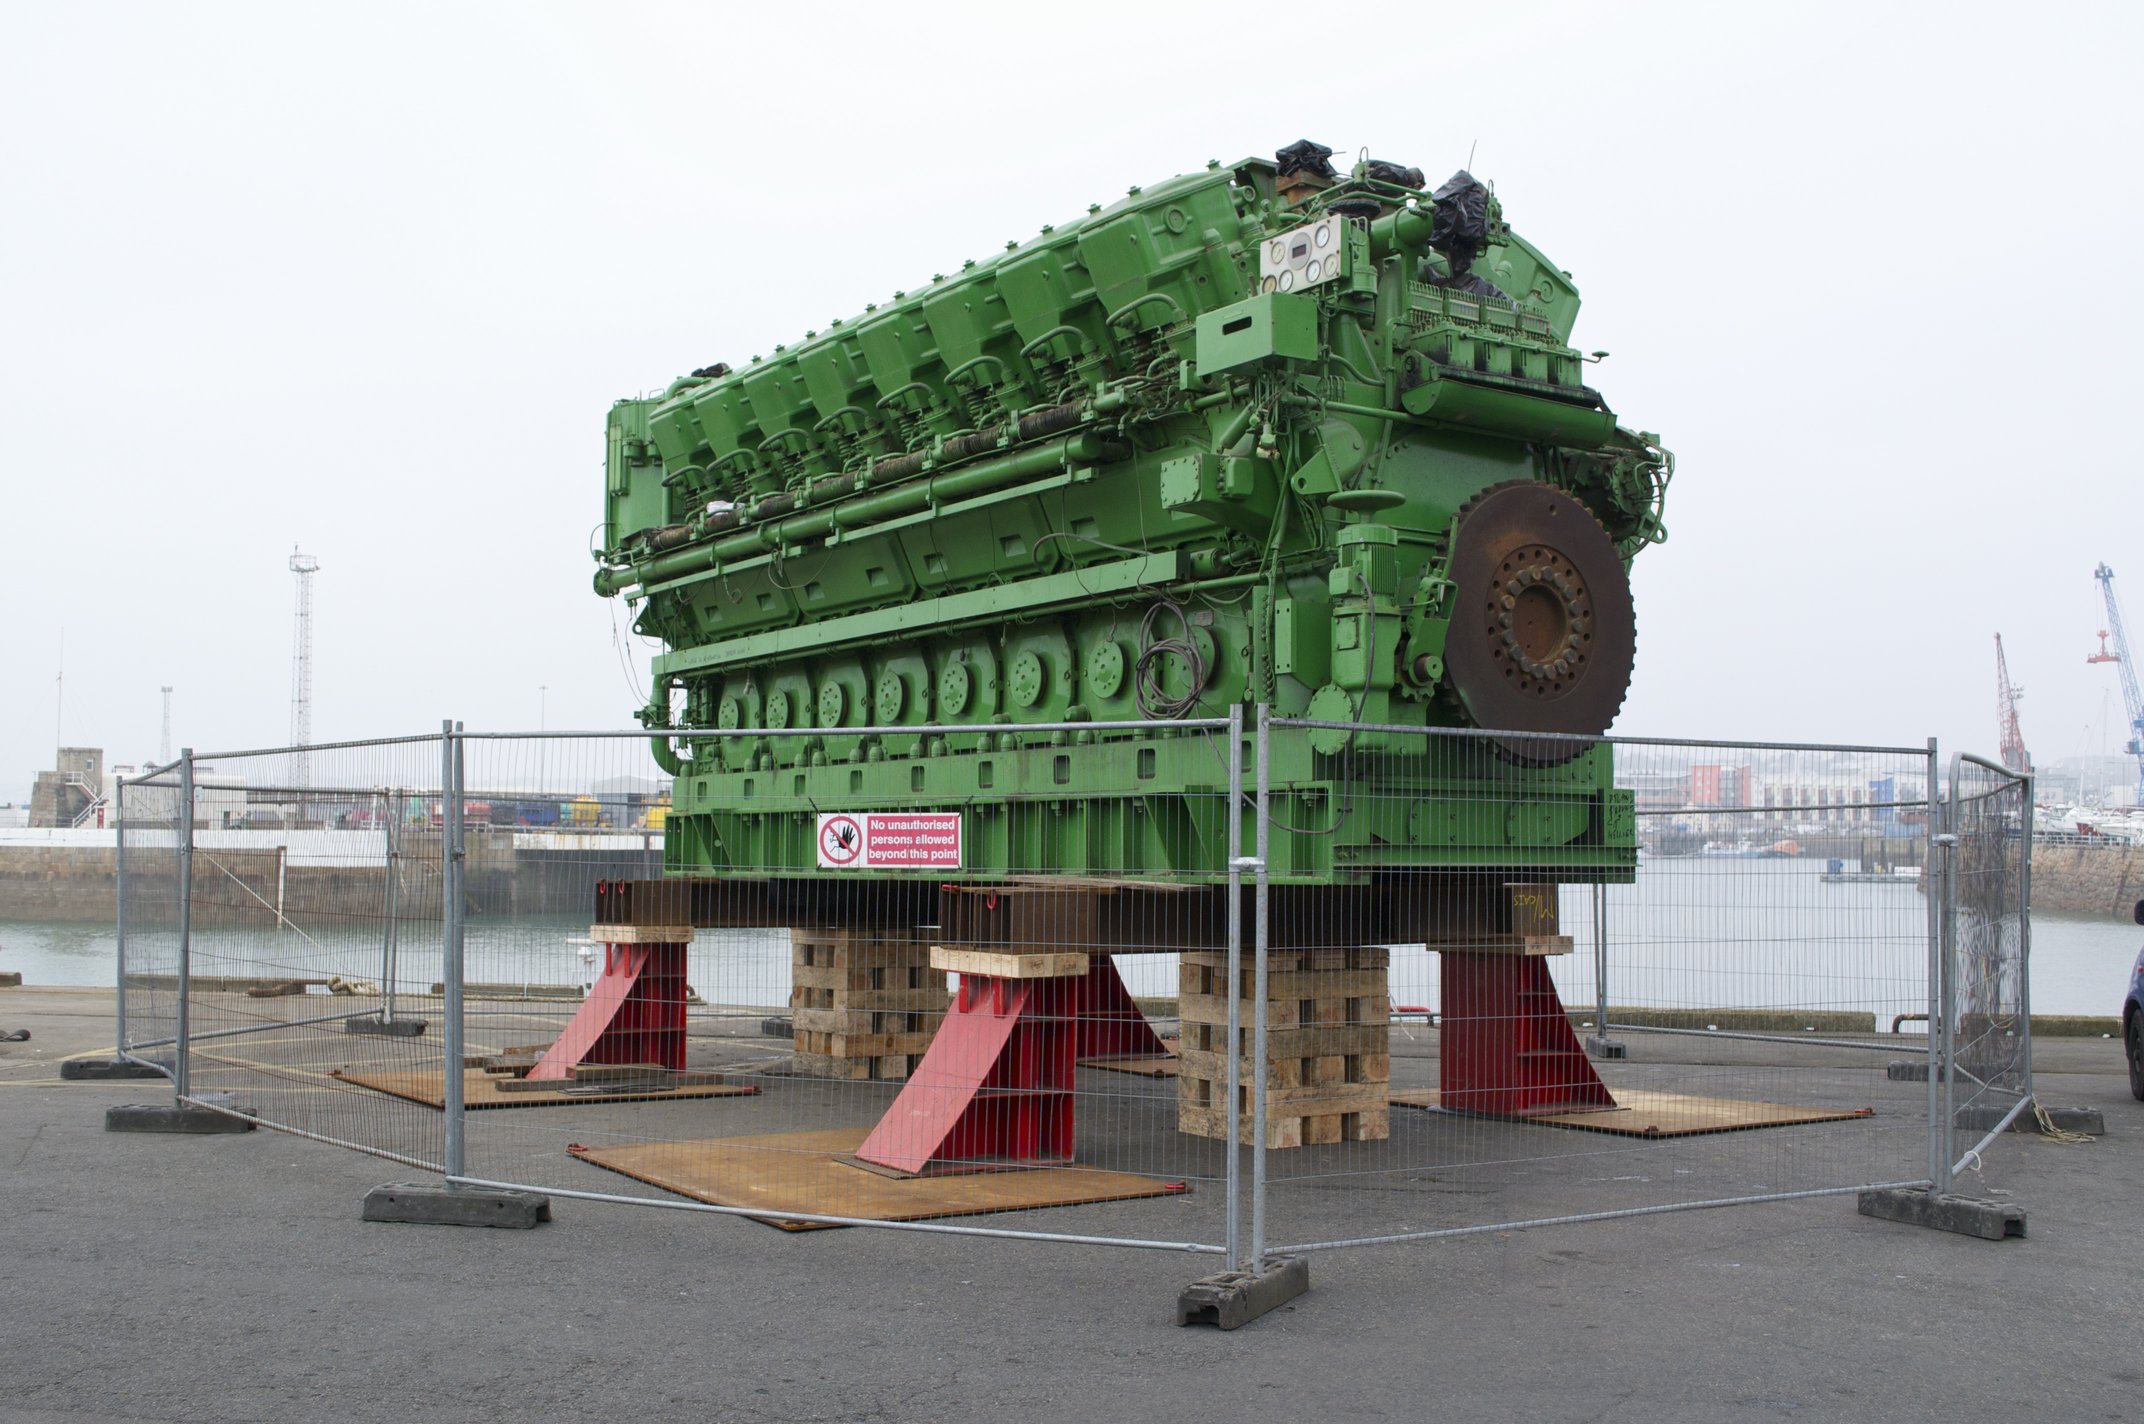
365,279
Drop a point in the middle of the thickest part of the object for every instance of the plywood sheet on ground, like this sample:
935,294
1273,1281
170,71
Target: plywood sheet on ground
1159,1066
801,1172
483,1090
1639,1112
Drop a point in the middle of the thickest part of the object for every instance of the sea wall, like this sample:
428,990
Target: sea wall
63,882
2088,880
73,876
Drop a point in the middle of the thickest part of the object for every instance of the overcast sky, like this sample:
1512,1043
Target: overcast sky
365,279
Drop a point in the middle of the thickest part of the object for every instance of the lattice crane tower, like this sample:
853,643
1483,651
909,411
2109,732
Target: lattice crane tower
2010,735
301,671
2132,699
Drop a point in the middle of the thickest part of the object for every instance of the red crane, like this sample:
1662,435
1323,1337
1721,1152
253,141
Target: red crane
2006,695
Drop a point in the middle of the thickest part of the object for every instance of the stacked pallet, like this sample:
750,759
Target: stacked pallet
1328,1033
864,1003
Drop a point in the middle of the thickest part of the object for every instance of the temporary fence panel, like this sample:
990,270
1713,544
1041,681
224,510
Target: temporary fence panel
1987,992
310,946
1596,977
149,903
1194,985
916,976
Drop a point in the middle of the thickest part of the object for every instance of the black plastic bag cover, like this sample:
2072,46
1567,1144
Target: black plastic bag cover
1303,156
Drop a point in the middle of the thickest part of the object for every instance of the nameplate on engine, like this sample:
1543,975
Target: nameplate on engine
889,840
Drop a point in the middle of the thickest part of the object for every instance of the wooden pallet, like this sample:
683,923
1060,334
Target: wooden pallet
862,1005
1328,1067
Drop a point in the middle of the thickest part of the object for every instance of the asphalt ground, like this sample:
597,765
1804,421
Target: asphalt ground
230,1278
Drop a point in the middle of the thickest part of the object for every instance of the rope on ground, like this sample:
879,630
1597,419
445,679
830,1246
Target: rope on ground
2053,1133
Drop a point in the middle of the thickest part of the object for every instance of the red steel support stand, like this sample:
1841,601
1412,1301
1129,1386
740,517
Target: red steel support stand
995,1088
1507,1047
636,1012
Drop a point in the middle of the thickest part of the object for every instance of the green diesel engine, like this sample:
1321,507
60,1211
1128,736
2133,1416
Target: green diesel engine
1269,434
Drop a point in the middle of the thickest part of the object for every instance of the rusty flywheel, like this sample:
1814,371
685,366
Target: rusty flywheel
1543,634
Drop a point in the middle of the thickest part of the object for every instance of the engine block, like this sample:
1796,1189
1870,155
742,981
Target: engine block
1271,434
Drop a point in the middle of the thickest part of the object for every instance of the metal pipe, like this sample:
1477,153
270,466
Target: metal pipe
1234,1047
119,926
391,814
1179,724
181,1078
450,915
2024,932
619,1199
901,499
1948,843
1965,1158
1402,230
1600,962
267,1027
1802,1042
1932,897
1258,1007
1580,1218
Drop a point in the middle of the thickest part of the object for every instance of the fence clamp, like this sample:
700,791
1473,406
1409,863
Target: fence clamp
1248,864
1946,840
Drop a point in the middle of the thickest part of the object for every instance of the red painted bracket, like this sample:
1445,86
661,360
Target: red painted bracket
635,1014
995,1088
1507,1047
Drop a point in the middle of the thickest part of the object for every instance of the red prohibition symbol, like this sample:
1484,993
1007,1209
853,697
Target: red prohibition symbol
841,840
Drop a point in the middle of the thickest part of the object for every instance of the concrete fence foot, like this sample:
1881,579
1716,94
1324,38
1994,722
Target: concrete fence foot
1236,1298
440,1204
2090,1120
1606,1047
1982,1117
390,1028
106,1070
172,1117
1968,1216
1912,1070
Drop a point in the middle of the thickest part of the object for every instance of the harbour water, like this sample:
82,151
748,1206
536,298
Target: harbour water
1690,933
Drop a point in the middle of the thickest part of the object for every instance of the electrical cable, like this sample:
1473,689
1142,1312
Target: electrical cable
1154,700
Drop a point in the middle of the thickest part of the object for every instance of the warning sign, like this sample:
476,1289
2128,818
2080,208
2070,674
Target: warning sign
889,840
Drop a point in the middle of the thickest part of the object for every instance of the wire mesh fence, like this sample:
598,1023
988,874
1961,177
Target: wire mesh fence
309,939
1986,988
1622,975
150,901
804,1038
1197,985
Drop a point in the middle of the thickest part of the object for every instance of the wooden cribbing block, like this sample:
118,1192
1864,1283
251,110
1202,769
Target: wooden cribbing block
1004,964
1328,1067
862,1004
1520,944
640,934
